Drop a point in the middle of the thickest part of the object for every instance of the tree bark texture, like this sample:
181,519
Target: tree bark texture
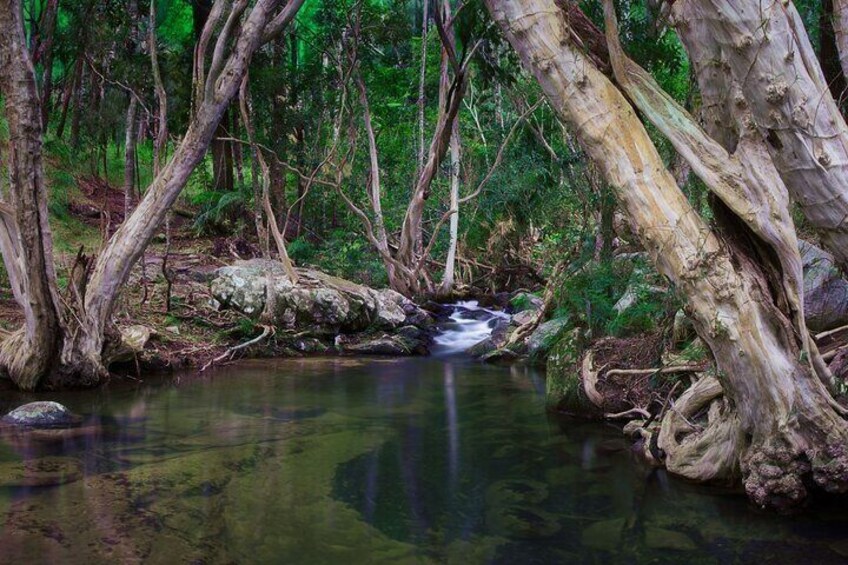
764,49
777,426
25,239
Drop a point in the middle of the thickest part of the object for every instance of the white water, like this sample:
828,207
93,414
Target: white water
469,325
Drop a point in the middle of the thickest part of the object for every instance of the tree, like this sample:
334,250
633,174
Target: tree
766,53
777,423
66,341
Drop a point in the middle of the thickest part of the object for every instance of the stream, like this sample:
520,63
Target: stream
367,460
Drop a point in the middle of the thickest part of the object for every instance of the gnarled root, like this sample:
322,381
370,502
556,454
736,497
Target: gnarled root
23,364
702,451
703,438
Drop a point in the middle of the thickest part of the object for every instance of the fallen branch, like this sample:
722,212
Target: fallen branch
656,370
627,413
266,331
829,333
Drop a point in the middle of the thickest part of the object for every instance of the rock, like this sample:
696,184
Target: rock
502,354
500,333
604,535
42,472
683,330
523,301
543,336
523,317
482,348
660,538
408,340
318,303
133,340
42,414
825,291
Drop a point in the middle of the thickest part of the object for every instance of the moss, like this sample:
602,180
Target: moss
562,390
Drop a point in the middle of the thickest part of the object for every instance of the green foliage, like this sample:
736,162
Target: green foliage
588,296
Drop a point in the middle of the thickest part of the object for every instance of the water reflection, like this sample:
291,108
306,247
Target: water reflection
316,460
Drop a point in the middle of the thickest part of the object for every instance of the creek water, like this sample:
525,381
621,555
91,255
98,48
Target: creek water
365,460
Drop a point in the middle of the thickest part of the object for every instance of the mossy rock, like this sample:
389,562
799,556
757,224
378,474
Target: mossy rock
41,472
523,522
563,390
42,414
604,535
511,492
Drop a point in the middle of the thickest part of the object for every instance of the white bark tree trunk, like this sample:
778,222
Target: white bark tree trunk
25,238
780,426
450,261
763,47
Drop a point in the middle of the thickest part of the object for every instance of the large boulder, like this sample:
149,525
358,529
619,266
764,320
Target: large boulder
319,303
825,291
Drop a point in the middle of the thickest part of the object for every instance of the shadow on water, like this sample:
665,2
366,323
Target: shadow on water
366,460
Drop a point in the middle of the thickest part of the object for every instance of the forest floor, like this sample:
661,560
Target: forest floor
190,332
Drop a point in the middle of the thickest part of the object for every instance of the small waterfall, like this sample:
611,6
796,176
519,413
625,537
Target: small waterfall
469,325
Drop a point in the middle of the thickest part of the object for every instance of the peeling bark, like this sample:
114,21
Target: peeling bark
790,429
764,49
25,239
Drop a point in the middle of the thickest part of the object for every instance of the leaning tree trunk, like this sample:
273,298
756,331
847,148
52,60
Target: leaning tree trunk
123,250
765,49
25,239
778,426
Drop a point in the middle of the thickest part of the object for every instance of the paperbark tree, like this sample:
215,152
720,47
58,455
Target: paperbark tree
406,267
840,32
70,345
25,239
778,425
765,50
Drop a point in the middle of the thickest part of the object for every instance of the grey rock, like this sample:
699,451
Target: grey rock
825,291
42,414
542,337
318,303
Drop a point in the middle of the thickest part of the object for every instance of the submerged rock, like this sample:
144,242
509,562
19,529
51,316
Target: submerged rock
43,414
42,472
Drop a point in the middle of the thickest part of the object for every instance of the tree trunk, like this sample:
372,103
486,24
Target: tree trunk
129,155
829,54
422,79
765,50
25,239
778,426
43,55
840,32
448,279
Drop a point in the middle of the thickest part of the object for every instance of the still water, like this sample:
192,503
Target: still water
365,461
